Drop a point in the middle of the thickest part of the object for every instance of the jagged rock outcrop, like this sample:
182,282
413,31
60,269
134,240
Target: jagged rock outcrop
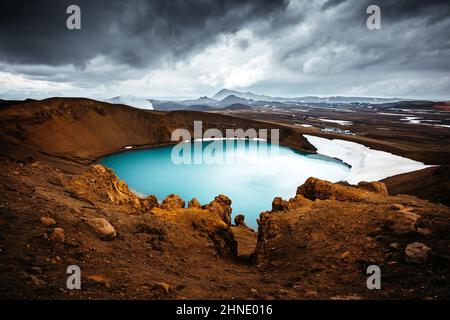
99,186
219,233
316,189
239,220
194,203
172,202
99,183
216,224
329,231
374,186
278,204
221,206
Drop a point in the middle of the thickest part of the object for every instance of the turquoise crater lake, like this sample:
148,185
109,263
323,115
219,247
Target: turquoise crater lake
248,172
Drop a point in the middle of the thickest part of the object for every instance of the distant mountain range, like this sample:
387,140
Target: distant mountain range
222,94
225,98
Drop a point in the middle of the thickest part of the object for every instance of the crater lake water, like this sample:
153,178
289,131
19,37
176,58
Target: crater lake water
250,173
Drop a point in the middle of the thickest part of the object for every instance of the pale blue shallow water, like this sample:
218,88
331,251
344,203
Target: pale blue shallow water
251,177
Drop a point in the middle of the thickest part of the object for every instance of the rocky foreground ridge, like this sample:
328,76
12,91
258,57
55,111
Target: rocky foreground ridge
315,245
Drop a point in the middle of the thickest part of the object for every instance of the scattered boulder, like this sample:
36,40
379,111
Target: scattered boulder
100,280
36,270
194,203
424,231
47,221
58,235
374,186
397,206
239,220
278,204
172,202
416,253
150,202
102,228
36,281
394,245
165,287
402,222
254,292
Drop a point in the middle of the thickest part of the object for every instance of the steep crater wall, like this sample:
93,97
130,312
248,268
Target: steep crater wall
84,129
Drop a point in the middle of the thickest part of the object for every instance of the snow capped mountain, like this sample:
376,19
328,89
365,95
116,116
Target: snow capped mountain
200,101
222,94
133,101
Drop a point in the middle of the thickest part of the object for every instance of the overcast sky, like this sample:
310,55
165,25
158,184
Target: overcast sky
186,49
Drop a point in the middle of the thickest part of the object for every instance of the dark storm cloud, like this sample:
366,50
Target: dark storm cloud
136,32
313,46
331,4
414,35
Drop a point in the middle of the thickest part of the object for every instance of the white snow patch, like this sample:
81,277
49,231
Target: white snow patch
412,120
367,164
341,122
391,114
133,101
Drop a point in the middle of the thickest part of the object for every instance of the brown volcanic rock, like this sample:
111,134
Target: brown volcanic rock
194,203
219,233
416,253
239,220
220,206
278,204
374,186
101,184
172,201
58,235
102,228
402,221
316,189
315,243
